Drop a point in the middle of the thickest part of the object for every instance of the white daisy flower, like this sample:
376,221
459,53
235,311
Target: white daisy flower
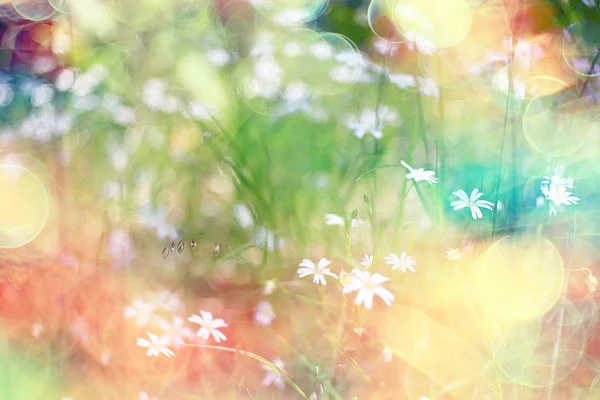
366,261
419,174
403,81
318,271
404,262
37,329
209,326
472,201
387,355
428,87
155,346
554,189
264,313
365,123
422,45
272,376
454,254
334,219
175,331
243,216
367,286
143,312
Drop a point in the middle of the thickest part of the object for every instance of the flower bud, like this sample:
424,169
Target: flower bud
592,283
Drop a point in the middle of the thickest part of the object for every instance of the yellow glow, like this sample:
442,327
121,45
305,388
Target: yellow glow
519,278
433,349
443,22
24,206
557,129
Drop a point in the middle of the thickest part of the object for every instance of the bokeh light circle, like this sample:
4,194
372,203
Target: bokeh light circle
184,13
291,12
24,205
581,47
34,10
380,18
345,67
556,125
539,353
444,23
62,6
520,278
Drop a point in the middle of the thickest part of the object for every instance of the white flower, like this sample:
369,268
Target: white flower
387,355
120,248
366,261
218,57
292,49
270,286
365,123
156,219
472,202
168,301
201,112
367,286
273,376
146,396
209,326
404,262
291,16
264,313
37,329
500,80
403,81
454,254
6,94
428,87
419,174
12,165
321,50
264,46
155,346
243,216
105,357
175,331
554,189
334,219
319,271
559,198
153,93
142,311
266,237
384,47
422,45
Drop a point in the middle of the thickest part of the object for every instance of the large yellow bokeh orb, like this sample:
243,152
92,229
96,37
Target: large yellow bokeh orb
445,23
24,206
519,278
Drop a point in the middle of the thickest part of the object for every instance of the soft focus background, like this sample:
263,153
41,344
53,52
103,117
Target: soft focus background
280,199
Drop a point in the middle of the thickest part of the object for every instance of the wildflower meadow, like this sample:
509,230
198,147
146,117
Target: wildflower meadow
299,199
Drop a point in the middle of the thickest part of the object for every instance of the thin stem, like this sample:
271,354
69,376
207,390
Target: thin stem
561,315
257,358
440,148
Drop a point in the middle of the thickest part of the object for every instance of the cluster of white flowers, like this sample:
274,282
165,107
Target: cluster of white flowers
555,190
372,121
156,219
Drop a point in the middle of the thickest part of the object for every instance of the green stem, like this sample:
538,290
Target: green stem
257,358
